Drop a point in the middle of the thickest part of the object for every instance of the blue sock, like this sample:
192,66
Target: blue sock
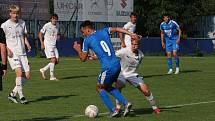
177,61
117,95
169,63
104,96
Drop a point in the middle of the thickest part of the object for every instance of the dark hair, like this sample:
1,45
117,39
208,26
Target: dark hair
133,14
165,14
54,16
86,23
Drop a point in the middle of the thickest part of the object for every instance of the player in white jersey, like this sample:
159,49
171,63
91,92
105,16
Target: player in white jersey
130,26
50,31
130,59
16,39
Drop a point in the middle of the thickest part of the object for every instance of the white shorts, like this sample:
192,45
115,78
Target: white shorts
51,52
19,61
133,80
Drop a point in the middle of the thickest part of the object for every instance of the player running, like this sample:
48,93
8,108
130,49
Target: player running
171,33
99,41
16,39
130,26
130,60
50,31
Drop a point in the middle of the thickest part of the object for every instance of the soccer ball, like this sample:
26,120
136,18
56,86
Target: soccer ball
92,111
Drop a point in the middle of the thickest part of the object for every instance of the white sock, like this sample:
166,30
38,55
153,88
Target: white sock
14,92
151,101
46,67
52,69
19,86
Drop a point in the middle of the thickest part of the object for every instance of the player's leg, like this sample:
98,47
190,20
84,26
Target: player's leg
45,68
175,48
113,74
119,85
53,60
169,57
25,76
15,65
138,82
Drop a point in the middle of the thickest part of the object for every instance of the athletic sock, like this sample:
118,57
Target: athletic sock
177,61
19,86
52,65
151,100
117,95
104,96
46,67
169,63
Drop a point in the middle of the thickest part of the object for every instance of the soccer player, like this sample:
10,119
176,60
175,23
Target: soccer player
130,26
3,57
171,33
130,60
50,31
99,41
16,39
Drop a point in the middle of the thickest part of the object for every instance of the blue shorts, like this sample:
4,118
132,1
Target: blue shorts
171,45
109,75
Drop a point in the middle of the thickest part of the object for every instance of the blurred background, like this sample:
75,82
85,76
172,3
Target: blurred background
195,17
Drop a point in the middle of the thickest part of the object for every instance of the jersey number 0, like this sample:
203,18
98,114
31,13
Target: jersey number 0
105,47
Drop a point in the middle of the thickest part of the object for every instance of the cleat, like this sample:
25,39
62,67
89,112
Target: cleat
115,113
12,98
23,101
53,79
170,71
177,71
127,109
157,110
42,73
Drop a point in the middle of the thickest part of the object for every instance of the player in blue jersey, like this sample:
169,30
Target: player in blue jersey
170,32
99,41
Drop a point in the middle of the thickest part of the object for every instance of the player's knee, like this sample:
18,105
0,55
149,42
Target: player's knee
99,87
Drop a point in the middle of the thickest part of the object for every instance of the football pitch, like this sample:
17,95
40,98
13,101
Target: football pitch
189,96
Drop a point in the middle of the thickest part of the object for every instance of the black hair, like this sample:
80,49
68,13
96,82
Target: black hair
54,16
133,14
86,23
165,14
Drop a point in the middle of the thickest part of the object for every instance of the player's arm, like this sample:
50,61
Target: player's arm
3,49
40,35
121,30
179,36
27,42
162,39
82,55
121,37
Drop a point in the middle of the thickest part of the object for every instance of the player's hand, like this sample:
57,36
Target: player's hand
134,36
178,41
42,46
123,45
77,46
9,53
4,73
29,48
163,45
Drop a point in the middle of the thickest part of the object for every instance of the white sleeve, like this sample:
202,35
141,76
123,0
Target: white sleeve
127,26
43,30
25,29
3,26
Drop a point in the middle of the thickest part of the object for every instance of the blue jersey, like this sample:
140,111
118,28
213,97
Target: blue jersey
100,43
169,29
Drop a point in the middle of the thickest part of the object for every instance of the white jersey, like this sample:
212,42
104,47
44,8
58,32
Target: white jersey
129,61
131,28
50,32
15,33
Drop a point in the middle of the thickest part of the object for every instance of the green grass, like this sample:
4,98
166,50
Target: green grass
64,100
